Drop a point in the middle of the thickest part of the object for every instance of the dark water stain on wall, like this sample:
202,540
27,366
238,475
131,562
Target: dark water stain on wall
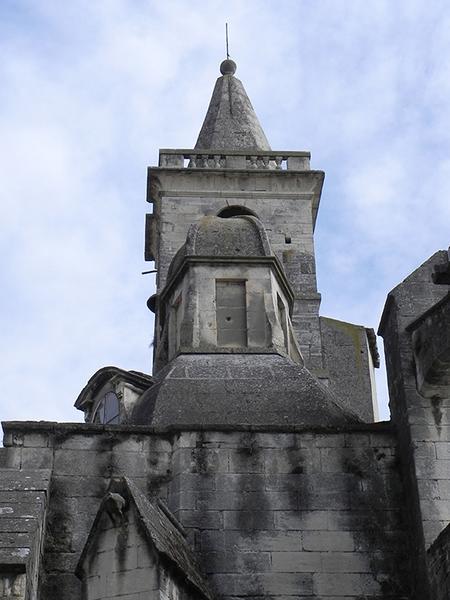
375,500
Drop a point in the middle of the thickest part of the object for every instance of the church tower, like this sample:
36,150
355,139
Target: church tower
231,235
249,464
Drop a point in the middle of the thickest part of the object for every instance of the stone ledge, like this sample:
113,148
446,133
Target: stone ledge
10,427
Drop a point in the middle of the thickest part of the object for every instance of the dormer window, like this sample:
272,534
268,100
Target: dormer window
107,411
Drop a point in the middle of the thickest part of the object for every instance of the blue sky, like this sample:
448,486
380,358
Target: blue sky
90,90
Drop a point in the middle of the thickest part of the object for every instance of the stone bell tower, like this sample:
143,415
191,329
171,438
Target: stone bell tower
232,174
248,464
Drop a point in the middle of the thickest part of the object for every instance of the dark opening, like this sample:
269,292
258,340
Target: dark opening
108,410
235,211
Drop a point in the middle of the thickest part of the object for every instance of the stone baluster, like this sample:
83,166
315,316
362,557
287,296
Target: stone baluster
253,164
278,161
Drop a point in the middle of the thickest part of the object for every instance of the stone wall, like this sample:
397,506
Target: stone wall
439,565
12,586
349,365
308,513
285,202
119,563
23,502
83,458
423,423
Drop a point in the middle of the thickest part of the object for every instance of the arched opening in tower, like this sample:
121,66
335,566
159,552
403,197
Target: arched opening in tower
235,211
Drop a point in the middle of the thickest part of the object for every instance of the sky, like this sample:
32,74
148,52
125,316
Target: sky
90,90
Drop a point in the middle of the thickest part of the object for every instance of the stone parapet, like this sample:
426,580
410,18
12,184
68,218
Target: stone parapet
234,159
313,510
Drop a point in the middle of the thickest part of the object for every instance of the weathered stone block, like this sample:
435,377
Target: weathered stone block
346,562
36,458
432,469
288,584
276,541
246,460
350,584
208,519
10,458
237,562
248,519
239,482
292,460
296,562
196,482
72,462
301,520
38,440
443,450
328,540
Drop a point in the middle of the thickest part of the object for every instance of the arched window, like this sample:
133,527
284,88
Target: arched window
235,211
107,411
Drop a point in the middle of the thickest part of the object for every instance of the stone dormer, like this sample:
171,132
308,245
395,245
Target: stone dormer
226,293
225,340
110,394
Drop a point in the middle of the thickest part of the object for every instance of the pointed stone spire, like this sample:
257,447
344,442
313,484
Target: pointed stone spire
231,123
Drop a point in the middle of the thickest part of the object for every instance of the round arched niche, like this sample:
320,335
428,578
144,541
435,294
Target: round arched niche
236,211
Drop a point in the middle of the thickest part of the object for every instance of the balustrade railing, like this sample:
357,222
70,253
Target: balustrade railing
197,159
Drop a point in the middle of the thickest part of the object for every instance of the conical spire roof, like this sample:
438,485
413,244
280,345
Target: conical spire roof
231,122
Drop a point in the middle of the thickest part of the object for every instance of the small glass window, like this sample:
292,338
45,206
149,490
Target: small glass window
108,410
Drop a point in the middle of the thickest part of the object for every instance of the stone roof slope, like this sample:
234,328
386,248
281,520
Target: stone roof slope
23,499
231,122
23,502
238,389
100,377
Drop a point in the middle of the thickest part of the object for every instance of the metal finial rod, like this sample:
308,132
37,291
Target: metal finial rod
226,39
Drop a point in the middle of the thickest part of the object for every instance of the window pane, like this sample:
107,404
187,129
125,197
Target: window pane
111,407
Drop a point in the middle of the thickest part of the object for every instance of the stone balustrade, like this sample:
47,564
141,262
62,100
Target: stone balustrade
220,159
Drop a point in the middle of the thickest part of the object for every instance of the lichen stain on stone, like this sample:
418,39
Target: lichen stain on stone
386,561
248,445
296,460
121,544
436,403
200,455
59,525
254,506
105,443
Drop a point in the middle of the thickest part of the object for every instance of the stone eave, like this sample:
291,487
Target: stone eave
52,427
155,187
271,261
105,374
